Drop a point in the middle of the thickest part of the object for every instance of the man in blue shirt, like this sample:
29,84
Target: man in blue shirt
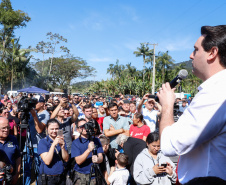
9,145
37,124
115,124
81,150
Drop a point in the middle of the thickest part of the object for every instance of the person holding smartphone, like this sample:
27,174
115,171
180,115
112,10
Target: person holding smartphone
53,152
152,167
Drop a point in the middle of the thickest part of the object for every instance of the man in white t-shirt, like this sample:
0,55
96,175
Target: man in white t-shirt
149,113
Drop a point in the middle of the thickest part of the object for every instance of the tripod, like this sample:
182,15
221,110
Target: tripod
96,170
97,174
28,149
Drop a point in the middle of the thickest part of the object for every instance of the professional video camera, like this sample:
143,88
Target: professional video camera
90,126
7,176
24,106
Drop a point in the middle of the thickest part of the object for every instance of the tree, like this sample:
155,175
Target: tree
144,51
55,39
9,21
64,70
163,63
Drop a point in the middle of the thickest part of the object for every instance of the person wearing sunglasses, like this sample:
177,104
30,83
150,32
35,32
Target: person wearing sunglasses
12,123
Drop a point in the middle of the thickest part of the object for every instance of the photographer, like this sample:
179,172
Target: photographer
53,152
37,123
81,150
9,145
150,115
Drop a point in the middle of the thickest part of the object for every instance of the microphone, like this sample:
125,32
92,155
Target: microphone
183,73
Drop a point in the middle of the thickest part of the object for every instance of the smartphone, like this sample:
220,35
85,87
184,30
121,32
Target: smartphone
164,165
60,133
151,96
65,96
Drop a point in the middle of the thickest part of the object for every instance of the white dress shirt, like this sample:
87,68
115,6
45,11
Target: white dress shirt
199,135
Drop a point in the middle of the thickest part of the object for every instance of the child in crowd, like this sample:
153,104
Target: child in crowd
119,175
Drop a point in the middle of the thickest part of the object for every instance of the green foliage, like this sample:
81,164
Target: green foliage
64,70
128,80
14,60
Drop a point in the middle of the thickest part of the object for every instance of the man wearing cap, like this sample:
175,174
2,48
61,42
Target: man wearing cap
37,122
150,115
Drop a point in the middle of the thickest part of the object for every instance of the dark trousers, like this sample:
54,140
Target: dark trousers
52,180
83,179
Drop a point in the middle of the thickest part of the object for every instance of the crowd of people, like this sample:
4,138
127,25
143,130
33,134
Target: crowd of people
122,139
56,141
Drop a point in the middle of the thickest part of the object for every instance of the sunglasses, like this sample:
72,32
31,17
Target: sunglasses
82,126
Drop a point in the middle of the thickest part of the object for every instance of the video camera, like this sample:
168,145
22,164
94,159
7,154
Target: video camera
7,176
89,127
24,106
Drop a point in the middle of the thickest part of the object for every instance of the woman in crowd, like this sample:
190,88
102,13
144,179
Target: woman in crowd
152,167
12,123
53,152
139,129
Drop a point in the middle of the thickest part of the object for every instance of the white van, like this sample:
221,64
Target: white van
14,93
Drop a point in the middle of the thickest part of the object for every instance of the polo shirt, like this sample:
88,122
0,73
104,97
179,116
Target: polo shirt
79,146
56,166
11,149
121,122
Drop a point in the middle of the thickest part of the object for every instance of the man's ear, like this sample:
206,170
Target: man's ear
212,54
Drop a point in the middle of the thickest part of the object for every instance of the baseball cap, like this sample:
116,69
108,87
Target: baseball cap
40,98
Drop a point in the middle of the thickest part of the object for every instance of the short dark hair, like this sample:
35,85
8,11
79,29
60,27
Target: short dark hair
87,106
152,137
112,105
82,119
122,159
215,36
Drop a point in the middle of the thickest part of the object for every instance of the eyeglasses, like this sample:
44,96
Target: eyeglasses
5,113
75,98
67,113
5,128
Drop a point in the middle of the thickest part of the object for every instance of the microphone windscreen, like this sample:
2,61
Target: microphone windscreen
183,73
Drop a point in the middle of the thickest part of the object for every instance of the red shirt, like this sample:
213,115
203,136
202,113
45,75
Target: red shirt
139,132
12,124
100,121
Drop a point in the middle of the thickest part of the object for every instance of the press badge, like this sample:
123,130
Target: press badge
10,144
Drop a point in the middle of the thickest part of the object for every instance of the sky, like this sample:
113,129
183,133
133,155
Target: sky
102,31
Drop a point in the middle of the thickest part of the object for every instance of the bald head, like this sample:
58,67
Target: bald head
3,120
4,128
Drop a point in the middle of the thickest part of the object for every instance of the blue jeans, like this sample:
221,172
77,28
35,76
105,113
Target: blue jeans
27,165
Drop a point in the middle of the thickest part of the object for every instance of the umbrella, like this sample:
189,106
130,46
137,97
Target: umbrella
33,89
